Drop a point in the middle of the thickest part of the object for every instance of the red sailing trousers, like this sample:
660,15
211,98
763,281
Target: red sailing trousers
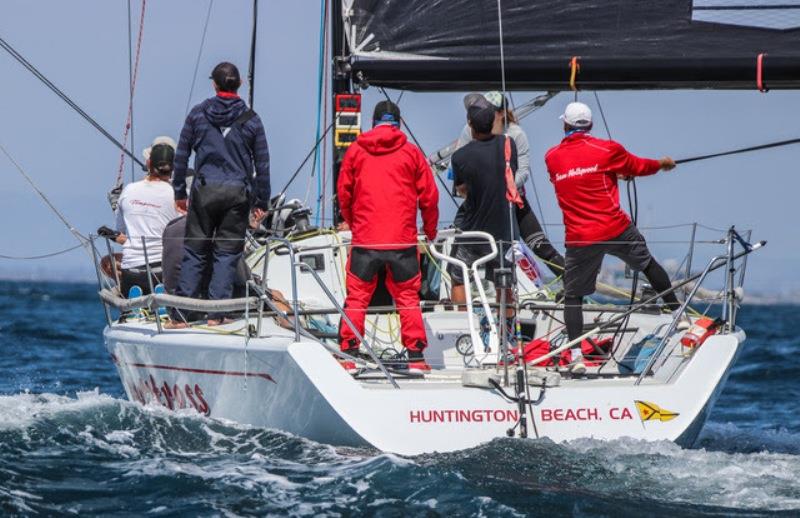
403,280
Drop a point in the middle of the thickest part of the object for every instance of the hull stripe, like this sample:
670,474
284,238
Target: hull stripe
261,375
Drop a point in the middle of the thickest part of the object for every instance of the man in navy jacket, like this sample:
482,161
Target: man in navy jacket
228,141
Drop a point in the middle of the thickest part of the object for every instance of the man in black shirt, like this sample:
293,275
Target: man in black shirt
479,171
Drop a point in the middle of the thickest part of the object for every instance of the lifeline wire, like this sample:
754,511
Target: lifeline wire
33,70
43,256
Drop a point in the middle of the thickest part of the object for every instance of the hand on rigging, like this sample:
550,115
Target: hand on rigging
667,164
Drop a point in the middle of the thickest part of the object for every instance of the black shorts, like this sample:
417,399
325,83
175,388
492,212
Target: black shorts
469,254
584,262
130,277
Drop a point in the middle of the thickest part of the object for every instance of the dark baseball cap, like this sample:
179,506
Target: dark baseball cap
386,112
226,76
162,155
481,115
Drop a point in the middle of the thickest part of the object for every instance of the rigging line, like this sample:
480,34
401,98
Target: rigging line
43,256
538,203
740,150
33,70
602,114
633,206
134,77
502,58
130,82
251,75
326,101
309,155
199,55
416,142
81,239
315,167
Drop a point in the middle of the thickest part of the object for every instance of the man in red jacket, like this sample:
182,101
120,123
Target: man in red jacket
382,181
584,171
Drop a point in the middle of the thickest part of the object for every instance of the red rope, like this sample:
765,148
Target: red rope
133,89
760,73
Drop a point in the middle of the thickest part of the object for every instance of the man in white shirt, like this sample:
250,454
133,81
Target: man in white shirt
145,207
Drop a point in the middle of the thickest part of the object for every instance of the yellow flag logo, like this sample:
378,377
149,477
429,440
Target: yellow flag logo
652,412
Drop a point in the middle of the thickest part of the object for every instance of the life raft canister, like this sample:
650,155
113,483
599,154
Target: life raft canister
699,333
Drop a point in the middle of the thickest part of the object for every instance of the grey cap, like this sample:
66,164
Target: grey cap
472,98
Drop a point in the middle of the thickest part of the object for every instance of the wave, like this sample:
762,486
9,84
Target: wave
89,453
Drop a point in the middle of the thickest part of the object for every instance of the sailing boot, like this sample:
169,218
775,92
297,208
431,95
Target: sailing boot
354,353
416,361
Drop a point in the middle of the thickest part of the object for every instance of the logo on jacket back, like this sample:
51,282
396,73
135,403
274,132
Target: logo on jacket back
577,171
779,15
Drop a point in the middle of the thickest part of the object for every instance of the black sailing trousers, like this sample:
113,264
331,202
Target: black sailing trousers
215,228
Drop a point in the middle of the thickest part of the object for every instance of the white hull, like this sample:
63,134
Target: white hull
298,387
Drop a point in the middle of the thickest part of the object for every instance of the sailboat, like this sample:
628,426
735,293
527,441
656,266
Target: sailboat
281,368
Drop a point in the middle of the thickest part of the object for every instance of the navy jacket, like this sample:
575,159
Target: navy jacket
222,154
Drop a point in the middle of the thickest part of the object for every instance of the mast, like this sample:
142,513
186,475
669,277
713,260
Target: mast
251,73
340,84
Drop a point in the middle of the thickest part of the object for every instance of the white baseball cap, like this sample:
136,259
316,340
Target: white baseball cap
495,98
577,115
158,140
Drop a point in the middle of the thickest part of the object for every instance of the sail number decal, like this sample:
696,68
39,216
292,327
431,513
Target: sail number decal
173,396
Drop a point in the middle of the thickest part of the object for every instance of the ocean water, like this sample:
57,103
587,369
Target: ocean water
71,444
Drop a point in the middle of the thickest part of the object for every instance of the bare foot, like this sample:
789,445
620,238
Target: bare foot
174,324
212,322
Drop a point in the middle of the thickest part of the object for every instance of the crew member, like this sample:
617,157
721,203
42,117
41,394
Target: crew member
479,176
505,123
382,181
228,140
144,209
584,171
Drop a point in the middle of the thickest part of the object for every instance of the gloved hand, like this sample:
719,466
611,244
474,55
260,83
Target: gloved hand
111,234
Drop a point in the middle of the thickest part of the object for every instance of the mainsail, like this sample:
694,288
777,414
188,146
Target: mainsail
591,44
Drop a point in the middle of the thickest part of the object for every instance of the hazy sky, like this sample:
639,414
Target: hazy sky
82,46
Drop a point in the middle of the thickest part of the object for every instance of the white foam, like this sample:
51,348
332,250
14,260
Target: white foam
22,410
696,476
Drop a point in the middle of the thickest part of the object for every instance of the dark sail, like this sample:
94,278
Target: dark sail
619,44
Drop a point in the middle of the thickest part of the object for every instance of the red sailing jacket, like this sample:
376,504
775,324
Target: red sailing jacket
382,181
584,171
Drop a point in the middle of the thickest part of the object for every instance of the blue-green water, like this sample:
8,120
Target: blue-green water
71,444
